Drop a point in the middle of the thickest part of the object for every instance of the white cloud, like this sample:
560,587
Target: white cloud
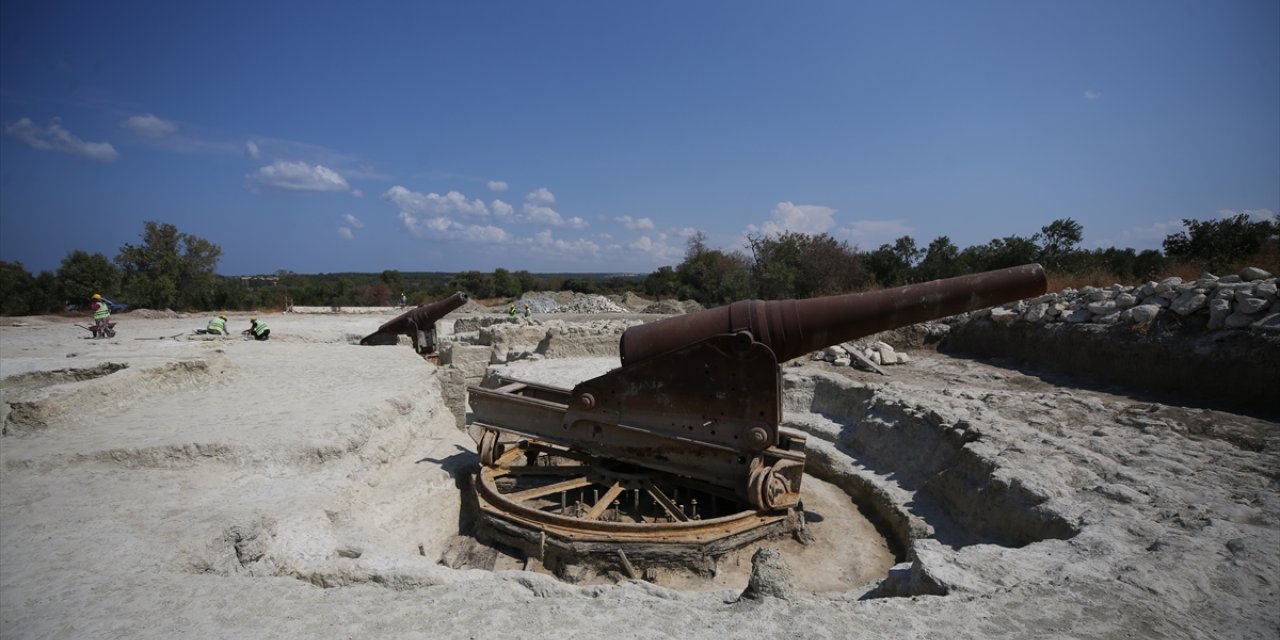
149,125
56,138
251,149
353,221
443,228
299,176
434,203
357,193
502,210
1092,94
497,185
633,223
542,196
868,233
537,210
545,242
657,250
798,218
345,233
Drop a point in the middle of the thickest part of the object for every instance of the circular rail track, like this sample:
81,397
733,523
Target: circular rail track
561,507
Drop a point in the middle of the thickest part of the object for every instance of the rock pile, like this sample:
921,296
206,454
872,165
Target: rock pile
589,303
1247,300
878,352
562,302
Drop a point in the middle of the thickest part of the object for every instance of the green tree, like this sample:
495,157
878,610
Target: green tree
17,289
505,284
662,283
711,276
393,279
478,285
81,275
1010,251
799,265
1058,242
528,282
169,269
941,260
1220,244
891,265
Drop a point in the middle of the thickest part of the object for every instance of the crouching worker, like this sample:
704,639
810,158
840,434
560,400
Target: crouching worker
257,329
217,326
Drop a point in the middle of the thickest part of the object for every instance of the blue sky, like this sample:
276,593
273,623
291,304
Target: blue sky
596,136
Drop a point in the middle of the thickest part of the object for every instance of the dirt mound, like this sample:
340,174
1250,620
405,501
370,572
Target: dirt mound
631,300
153,314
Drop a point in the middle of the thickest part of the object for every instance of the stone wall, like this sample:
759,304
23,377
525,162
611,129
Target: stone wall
1212,341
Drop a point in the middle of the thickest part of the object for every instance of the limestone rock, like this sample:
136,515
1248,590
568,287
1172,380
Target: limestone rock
1239,320
1265,290
1188,303
1101,308
1253,273
1003,316
1250,305
1079,315
1144,312
1158,301
1036,312
1168,284
1268,323
1219,309
1126,300
770,577
1108,318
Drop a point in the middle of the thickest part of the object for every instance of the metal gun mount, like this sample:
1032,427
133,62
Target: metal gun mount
695,409
418,323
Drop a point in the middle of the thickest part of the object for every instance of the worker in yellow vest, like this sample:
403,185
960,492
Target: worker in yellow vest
101,314
217,326
257,329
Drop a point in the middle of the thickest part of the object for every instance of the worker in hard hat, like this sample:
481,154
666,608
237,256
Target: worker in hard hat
217,326
512,310
404,300
258,329
527,310
101,316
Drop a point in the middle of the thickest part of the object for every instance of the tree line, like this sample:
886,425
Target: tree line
800,265
174,270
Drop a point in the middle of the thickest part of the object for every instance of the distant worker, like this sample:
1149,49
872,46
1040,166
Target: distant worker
101,314
217,326
512,310
403,300
527,310
257,329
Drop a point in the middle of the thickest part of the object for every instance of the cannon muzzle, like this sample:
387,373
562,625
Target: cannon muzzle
419,319
792,328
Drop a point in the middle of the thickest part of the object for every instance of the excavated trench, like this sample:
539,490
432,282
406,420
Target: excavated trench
881,474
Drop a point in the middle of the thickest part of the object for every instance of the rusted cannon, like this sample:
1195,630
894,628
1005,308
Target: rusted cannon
418,323
700,395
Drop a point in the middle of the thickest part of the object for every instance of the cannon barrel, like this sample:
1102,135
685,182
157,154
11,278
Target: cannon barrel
792,328
418,318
